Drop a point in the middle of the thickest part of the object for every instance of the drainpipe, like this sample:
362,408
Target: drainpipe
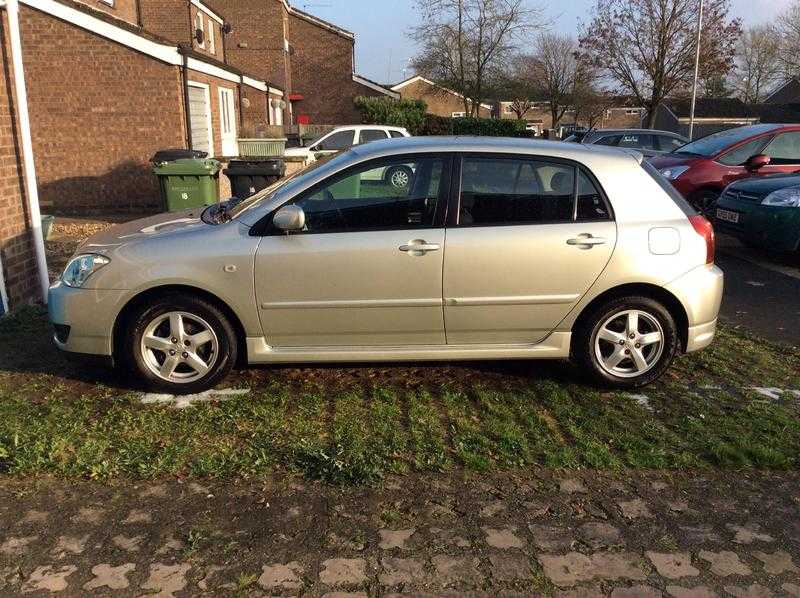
187,117
241,103
32,190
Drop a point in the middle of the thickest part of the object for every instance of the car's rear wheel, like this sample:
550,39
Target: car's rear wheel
704,201
627,342
180,344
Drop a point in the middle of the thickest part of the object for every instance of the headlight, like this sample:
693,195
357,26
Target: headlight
784,198
673,172
82,267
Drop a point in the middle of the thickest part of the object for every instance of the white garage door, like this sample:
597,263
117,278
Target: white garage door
200,118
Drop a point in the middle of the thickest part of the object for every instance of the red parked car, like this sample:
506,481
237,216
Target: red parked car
700,170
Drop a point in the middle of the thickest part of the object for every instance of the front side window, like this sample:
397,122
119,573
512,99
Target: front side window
784,149
498,191
396,134
368,135
611,140
669,144
739,156
396,193
336,142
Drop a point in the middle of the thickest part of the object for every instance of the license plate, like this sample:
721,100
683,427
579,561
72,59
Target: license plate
727,215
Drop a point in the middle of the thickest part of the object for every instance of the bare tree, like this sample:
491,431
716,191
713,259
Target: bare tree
465,43
647,47
555,65
789,29
590,104
758,65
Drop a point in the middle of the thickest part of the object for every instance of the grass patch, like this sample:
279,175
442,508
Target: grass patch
704,413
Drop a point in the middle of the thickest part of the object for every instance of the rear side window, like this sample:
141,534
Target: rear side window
368,135
638,141
396,134
669,144
503,190
669,189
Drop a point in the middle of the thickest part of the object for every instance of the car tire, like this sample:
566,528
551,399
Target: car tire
193,334
398,177
604,337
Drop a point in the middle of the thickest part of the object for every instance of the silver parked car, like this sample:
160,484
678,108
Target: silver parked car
651,143
497,249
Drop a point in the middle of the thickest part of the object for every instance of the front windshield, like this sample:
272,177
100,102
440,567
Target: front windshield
269,192
717,142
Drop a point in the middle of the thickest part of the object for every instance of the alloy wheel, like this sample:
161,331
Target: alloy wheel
399,179
629,343
179,347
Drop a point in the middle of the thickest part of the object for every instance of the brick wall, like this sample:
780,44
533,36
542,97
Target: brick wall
208,23
168,19
439,101
16,244
93,140
322,71
122,9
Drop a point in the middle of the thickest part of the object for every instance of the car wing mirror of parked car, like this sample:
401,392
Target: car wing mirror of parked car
289,219
755,162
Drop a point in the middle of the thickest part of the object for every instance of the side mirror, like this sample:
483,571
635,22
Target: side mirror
289,218
755,162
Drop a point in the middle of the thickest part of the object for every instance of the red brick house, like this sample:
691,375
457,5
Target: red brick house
312,59
440,100
112,81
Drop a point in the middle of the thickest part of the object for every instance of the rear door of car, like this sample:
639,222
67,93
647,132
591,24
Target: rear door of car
527,236
367,135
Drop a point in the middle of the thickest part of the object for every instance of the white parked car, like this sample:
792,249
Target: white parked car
343,138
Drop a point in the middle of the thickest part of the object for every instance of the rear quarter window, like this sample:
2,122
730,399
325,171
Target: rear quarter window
684,205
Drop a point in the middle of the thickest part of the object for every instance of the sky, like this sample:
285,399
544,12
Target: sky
381,26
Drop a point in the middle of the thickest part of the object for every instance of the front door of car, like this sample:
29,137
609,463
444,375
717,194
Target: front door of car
734,161
784,154
367,268
525,246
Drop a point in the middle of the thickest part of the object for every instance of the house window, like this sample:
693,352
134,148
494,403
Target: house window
198,26
211,40
109,2
631,112
459,114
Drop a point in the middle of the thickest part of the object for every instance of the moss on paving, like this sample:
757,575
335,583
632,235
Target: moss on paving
704,413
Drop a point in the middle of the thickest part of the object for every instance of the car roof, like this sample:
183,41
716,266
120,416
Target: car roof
642,131
361,127
508,145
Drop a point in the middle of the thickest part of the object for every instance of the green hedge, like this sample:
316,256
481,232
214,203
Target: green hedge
481,127
398,113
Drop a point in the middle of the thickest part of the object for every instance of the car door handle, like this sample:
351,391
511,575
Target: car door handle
419,247
586,240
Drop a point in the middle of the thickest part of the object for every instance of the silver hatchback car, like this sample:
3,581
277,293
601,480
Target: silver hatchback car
496,249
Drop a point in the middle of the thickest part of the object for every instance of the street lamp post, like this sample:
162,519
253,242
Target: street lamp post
696,70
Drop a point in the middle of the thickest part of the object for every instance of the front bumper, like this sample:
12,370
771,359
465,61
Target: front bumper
89,315
700,293
771,227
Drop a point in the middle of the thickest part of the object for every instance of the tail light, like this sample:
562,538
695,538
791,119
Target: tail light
704,228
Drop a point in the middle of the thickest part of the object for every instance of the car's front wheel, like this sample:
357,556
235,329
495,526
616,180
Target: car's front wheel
627,342
399,177
180,344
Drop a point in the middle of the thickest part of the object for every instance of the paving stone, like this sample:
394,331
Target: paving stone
659,486
634,509
397,571
748,534
551,538
15,546
536,508
493,508
673,565
680,506
636,592
695,592
136,516
48,578
574,567
571,486
394,538
67,545
89,515
590,592
166,579
345,595
451,569
792,589
171,544
343,572
449,536
131,544
503,538
211,571
9,576
701,534
776,563
115,578
510,567
752,591
599,533
725,563
154,491
278,575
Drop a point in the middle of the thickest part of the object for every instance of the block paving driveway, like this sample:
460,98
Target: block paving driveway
552,533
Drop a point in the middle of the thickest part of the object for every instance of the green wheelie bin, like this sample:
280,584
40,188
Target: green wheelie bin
188,183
